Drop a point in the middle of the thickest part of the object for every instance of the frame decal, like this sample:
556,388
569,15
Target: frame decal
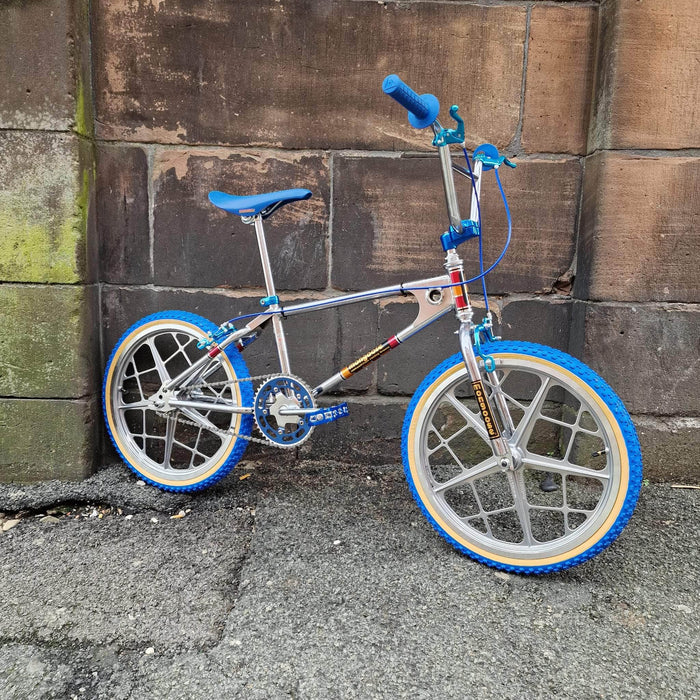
363,361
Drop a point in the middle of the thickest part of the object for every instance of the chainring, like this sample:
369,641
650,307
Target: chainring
274,395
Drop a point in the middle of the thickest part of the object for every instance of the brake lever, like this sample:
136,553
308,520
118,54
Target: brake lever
445,136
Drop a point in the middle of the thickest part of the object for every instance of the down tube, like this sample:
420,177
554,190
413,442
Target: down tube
361,362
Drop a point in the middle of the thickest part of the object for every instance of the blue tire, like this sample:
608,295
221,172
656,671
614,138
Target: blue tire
179,449
577,471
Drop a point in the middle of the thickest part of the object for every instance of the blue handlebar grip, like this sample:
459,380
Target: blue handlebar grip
422,109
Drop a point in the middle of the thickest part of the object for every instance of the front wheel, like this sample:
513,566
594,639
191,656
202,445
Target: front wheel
576,470
176,449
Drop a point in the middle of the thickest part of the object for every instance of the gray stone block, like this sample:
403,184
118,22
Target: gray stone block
48,347
648,353
670,448
400,371
46,439
319,343
545,321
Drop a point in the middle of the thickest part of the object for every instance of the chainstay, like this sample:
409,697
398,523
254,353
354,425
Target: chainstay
230,432
223,433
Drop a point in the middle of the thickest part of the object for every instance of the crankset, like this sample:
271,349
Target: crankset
281,407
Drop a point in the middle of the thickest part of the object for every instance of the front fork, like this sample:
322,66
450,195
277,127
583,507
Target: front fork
495,429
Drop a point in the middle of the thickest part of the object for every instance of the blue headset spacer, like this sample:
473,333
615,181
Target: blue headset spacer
433,109
490,151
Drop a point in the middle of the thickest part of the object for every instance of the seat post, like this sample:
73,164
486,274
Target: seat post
280,339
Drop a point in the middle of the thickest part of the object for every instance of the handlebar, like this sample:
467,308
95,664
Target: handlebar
423,112
422,109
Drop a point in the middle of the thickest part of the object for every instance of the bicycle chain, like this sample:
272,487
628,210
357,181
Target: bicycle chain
230,431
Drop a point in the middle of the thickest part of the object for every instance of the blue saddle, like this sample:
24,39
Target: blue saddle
255,204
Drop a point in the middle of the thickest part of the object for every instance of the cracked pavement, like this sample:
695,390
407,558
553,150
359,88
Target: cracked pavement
322,580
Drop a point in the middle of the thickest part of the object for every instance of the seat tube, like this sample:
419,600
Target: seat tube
277,324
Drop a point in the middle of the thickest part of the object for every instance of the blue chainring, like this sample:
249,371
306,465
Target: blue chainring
285,431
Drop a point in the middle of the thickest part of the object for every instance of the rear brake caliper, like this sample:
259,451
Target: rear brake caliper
219,334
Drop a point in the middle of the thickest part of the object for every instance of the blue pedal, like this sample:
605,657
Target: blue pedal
327,414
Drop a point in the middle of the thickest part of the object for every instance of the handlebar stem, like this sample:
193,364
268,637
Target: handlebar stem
448,183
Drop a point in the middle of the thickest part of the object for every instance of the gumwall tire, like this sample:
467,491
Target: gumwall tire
578,472
160,448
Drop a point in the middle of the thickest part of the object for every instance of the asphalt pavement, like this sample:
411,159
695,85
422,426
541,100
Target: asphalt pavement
323,580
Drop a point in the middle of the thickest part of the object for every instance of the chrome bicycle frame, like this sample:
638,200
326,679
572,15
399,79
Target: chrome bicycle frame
433,303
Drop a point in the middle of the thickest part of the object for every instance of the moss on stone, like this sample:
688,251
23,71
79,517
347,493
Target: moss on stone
44,195
45,347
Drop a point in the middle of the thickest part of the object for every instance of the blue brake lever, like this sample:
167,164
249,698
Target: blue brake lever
445,136
490,158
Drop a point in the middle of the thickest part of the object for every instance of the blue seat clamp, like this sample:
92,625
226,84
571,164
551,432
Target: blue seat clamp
451,239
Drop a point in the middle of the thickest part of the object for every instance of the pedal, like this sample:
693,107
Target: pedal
327,414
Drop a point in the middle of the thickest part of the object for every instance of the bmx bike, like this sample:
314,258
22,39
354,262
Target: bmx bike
518,454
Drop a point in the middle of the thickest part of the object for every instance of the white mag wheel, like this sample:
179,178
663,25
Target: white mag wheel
163,446
577,470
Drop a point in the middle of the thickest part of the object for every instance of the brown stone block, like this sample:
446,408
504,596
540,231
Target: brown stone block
301,74
36,73
670,448
639,226
647,85
357,334
198,245
46,439
559,79
647,353
122,215
389,214
546,321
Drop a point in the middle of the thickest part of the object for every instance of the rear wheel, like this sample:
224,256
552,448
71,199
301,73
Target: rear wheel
577,470
179,449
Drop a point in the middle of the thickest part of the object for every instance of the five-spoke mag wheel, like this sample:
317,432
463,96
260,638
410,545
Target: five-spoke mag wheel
186,438
574,475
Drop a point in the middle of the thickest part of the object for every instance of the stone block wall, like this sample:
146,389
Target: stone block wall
594,99
49,312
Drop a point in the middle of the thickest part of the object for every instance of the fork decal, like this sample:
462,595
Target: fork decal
485,411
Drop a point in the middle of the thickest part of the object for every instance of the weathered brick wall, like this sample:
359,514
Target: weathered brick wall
268,94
